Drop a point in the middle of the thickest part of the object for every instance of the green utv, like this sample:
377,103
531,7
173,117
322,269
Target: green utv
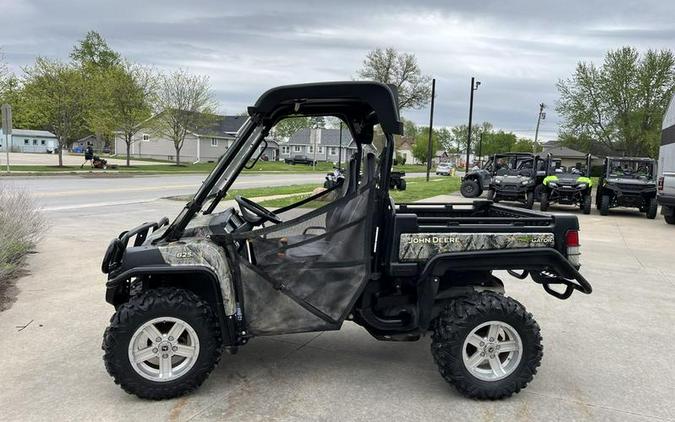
628,182
567,185
225,272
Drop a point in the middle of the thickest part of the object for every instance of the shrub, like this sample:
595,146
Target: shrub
21,225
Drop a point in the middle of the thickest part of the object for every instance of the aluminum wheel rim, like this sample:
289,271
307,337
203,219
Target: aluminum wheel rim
163,349
492,351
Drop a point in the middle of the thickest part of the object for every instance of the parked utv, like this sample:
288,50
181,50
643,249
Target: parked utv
567,185
476,180
513,178
217,276
627,182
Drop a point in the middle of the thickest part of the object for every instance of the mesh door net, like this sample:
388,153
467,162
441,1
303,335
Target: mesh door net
304,274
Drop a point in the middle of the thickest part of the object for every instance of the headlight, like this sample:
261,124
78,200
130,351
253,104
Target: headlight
582,185
498,181
552,184
524,182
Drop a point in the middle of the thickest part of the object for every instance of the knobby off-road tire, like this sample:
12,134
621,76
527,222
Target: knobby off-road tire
529,200
457,322
604,205
402,184
538,191
543,201
670,219
586,204
170,303
470,189
652,208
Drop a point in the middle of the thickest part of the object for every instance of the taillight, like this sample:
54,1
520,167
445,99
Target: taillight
573,247
661,183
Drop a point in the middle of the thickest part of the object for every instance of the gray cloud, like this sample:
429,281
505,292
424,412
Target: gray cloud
518,49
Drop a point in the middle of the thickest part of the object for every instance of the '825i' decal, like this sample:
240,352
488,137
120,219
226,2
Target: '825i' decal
422,246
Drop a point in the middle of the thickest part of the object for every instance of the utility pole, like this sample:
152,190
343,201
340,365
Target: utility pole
6,111
474,86
431,127
340,149
542,116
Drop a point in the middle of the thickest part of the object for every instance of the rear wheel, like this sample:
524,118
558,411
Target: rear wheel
529,200
652,208
401,184
670,219
161,344
543,201
604,205
486,345
469,189
586,204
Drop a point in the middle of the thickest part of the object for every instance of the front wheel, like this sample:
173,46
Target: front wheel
162,344
402,184
604,205
486,345
469,189
492,195
652,208
586,204
529,200
543,201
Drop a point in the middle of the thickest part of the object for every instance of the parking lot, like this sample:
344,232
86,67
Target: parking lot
607,356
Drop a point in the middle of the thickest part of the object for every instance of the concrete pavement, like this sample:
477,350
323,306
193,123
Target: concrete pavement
607,356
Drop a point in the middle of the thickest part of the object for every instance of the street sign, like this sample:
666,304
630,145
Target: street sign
7,119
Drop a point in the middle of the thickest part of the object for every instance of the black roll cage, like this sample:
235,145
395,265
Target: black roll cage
526,156
360,105
549,160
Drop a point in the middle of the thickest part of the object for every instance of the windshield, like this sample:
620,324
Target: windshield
631,169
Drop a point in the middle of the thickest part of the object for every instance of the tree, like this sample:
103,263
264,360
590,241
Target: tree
526,145
494,143
620,103
132,91
459,135
421,148
288,126
186,103
93,51
57,94
401,70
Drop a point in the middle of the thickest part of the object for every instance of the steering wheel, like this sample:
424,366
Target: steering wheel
249,207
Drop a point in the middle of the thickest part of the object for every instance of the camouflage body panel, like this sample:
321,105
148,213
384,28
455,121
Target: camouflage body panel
423,246
204,252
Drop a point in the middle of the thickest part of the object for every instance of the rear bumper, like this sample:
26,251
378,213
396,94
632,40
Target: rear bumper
547,266
666,200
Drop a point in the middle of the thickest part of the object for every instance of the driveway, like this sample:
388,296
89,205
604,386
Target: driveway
607,356
28,159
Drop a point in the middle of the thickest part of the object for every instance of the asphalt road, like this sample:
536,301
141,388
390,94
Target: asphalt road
607,356
65,193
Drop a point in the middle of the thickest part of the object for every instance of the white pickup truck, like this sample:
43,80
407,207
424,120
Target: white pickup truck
666,178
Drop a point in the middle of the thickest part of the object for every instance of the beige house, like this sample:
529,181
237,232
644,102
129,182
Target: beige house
205,144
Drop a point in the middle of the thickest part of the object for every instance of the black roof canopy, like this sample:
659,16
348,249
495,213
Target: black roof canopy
361,104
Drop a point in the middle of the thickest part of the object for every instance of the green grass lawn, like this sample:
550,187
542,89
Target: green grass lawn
417,188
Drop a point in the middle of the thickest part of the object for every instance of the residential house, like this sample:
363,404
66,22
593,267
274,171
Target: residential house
569,157
319,144
404,146
97,143
204,144
27,140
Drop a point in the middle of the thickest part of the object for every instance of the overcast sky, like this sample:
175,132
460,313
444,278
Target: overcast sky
518,50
